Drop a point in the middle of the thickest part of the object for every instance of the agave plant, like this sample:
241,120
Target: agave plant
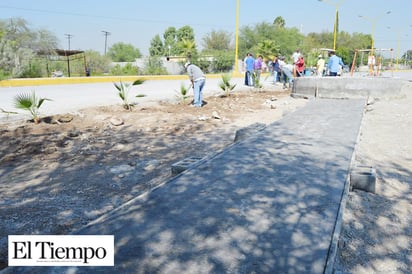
124,89
182,94
256,81
31,103
225,84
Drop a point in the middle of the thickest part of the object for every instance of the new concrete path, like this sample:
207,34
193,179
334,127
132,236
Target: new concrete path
268,204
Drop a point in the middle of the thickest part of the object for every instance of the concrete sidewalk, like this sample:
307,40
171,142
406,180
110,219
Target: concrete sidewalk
268,204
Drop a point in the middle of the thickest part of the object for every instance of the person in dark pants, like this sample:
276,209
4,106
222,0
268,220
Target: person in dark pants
334,64
250,67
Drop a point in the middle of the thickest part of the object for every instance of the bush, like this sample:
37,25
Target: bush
128,69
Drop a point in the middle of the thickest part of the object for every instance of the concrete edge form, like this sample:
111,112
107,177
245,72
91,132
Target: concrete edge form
334,245
348,87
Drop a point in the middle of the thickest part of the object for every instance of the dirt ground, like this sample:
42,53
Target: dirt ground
59,175
377,230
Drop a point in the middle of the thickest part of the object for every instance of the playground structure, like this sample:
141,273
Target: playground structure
65,56
374,64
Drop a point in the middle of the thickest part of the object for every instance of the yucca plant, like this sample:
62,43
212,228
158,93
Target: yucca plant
225,84
30,103
183,93
124,89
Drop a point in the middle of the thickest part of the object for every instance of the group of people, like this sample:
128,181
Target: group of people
253,69
284,72
281,71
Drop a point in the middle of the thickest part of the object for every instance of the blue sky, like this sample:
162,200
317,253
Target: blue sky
137,22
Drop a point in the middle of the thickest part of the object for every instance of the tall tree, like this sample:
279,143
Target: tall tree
185,32
122,52
19,45
156,46
175,42
217,41
170,40
279,22
267,48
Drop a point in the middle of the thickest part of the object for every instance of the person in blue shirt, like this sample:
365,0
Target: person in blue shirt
334,64
250,67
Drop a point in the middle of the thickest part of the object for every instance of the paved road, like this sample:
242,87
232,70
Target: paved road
68,98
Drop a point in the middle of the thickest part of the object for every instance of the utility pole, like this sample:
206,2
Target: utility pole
105,33
69,36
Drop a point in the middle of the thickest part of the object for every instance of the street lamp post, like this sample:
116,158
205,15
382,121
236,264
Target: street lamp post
398,50
237,39
335,28
373,22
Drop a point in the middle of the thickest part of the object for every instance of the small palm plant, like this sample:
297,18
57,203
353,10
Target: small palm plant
183,93
124,89
31,103
256,81
225,84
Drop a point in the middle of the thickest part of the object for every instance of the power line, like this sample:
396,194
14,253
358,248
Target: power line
106,17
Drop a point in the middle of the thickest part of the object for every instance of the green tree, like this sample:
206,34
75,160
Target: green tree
217,41
279,22
19,45
178,41
287,40
187,47
170,41
223,61
267,48
97,63
156,47
185,32
154,66
121,52
127,69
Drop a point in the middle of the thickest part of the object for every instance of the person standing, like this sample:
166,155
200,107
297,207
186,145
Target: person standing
250,66
286,70
334,64
258,68
320,65
300,66
198,79
275,69
295,56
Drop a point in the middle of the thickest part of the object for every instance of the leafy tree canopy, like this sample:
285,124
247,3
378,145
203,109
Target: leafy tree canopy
175,42
121,52
217,41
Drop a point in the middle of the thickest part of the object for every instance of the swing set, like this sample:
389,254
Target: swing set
375,66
